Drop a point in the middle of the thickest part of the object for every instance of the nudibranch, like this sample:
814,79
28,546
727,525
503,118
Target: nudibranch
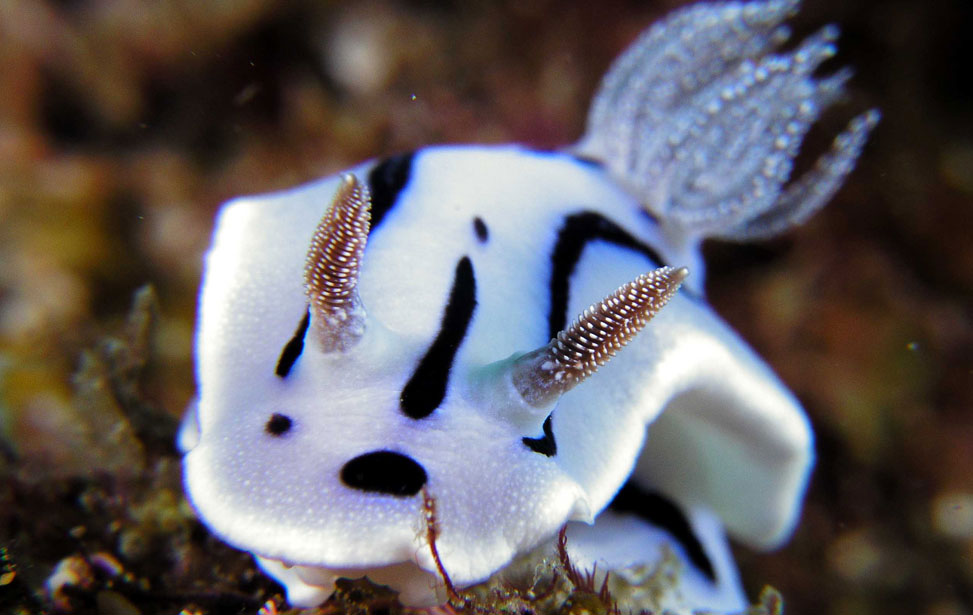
513,333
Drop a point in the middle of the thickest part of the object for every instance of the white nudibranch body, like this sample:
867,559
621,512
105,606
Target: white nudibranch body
513,334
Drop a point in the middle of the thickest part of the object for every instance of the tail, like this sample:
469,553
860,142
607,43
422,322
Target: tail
701,121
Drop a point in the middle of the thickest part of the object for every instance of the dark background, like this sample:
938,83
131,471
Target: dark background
125,123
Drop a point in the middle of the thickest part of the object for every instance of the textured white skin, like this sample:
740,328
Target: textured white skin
308,586
281,498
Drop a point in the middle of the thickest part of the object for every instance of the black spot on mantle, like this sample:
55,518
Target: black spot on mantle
664,514
427,386
279,424
385,472
480,228
545,445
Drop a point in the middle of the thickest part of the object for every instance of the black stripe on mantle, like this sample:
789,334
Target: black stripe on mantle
294,347
577,231
386,181
663,513
426,388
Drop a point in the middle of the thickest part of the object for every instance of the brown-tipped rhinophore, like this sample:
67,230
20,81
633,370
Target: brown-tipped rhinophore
577,352
332,266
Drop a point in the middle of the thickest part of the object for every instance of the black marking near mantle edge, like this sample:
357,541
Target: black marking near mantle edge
279,424
545,445
294,347
578,231
426,388
384,472
664,514
385,181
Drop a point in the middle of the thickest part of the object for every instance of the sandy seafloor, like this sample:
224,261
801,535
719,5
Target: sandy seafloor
125,123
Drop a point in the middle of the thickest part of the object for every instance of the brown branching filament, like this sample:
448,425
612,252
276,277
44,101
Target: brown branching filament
583,581
432,533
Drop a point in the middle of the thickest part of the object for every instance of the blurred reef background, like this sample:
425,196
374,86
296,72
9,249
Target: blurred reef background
125,123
